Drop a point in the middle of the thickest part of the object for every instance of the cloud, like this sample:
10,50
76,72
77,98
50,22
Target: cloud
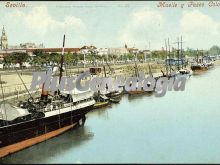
39,26
73,21
39,20
143,26
200,30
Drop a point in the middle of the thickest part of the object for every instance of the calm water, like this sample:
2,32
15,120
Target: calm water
180,127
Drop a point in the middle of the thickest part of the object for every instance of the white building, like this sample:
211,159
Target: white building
102,51
117,51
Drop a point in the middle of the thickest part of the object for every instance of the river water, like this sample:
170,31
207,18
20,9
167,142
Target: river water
180,127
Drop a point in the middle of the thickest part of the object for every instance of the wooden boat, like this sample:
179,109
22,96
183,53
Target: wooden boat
210,65
136,92
114,100
202,64
107,93
184,72
113,94
100,104
101,101
199,68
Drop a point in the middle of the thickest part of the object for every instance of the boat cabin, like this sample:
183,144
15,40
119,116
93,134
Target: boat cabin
95,70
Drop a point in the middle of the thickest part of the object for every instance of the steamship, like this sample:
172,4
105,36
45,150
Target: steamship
202,64
42,118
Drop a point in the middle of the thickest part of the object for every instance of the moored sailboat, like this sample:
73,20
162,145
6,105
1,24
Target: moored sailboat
200,66
137,91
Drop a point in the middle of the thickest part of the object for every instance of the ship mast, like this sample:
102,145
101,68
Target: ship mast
197,56
178,53
31,98
166,58
135,62
181,50
169,55
61,66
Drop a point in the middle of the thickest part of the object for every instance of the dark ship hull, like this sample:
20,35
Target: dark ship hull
199,68
18,136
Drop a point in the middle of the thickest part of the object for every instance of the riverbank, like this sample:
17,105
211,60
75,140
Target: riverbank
13,87
12,84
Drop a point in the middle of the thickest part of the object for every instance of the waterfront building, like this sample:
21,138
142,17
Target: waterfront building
118,51
102,51
133,50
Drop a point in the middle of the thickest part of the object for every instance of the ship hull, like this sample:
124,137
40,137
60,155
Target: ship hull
101,105
26,134
4,151
197,70
113,94
136,92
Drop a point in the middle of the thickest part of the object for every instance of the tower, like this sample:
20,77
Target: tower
4,39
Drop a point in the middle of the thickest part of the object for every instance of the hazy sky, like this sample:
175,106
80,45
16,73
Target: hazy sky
110,24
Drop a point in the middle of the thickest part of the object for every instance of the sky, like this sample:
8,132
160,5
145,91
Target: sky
111,24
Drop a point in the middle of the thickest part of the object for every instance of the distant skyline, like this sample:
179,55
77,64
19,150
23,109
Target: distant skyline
110,24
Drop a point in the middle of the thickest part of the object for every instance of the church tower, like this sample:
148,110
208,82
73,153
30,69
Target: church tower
4,39
126,46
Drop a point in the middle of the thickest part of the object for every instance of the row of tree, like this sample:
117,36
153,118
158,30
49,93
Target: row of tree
41,57
213,51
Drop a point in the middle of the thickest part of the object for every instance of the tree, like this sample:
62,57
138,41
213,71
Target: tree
113,57
214,50
75,58
190,52
8,59
154,54
140,56
38,52
81,56
125,57
68,58
19,57
53,57
159,54
130,56
39,60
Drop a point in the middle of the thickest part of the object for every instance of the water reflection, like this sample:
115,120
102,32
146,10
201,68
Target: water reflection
101,112
139,96
52,148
